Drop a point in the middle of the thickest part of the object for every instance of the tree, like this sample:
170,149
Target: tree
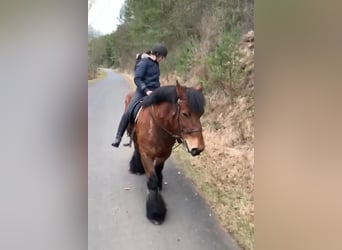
90,4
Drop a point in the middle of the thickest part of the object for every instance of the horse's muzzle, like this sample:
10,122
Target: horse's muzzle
195,151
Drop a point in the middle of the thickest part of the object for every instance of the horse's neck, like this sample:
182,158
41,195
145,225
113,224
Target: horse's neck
163,114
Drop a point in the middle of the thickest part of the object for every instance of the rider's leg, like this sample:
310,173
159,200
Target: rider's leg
121,129
125,119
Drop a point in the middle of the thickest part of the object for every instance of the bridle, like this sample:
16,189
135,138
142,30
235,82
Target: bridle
185,130
181,131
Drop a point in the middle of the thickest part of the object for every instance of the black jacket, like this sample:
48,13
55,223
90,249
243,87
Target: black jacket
146,76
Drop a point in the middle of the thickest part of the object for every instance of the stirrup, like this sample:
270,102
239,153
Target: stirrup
129,144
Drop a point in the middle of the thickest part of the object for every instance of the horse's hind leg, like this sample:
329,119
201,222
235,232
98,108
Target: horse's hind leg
135,165
159,169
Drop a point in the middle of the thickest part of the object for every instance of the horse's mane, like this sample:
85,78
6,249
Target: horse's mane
168,94
162,94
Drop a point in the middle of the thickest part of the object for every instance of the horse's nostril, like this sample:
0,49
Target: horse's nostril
195,151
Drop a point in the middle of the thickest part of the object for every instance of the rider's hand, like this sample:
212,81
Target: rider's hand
148,92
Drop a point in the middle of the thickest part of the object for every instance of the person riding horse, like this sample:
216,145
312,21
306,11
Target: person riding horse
146,78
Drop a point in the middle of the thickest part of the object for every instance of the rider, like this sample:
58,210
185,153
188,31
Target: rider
146,78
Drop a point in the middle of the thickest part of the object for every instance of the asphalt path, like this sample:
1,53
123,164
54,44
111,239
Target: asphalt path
116,198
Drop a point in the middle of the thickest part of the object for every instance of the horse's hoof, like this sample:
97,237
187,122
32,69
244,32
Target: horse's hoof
155,222
133,172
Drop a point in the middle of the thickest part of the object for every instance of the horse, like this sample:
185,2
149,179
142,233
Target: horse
171,113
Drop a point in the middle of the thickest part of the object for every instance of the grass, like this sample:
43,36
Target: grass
99,76
225,205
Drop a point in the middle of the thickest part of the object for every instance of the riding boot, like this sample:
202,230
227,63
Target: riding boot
116,142
121,130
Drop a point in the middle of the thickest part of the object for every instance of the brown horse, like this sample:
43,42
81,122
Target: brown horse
169,114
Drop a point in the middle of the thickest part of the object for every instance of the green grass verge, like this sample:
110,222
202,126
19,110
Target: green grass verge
223,204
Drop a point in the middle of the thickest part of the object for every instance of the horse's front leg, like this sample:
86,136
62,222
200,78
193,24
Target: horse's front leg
159,168
155,205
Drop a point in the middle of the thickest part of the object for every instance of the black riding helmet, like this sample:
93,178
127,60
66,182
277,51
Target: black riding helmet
159,49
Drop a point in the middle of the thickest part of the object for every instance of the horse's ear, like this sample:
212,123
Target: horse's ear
199,87
179,90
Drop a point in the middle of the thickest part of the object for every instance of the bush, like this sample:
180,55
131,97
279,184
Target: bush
184,58
92,71
223,64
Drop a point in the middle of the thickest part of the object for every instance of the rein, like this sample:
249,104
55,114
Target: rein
184,131
167,131
181,131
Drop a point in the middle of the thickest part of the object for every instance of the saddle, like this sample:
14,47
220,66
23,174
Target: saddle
134,112
133,117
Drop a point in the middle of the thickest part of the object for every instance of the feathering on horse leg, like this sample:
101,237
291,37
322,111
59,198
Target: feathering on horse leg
159,168
155,204
155,207
135,165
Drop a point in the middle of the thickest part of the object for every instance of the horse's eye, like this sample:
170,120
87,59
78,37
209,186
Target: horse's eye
187,115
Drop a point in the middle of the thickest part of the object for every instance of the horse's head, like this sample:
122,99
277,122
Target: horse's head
177,111
190,108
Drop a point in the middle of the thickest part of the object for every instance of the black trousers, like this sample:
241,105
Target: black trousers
125,117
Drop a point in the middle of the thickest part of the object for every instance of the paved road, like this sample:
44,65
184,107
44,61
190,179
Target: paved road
116,216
